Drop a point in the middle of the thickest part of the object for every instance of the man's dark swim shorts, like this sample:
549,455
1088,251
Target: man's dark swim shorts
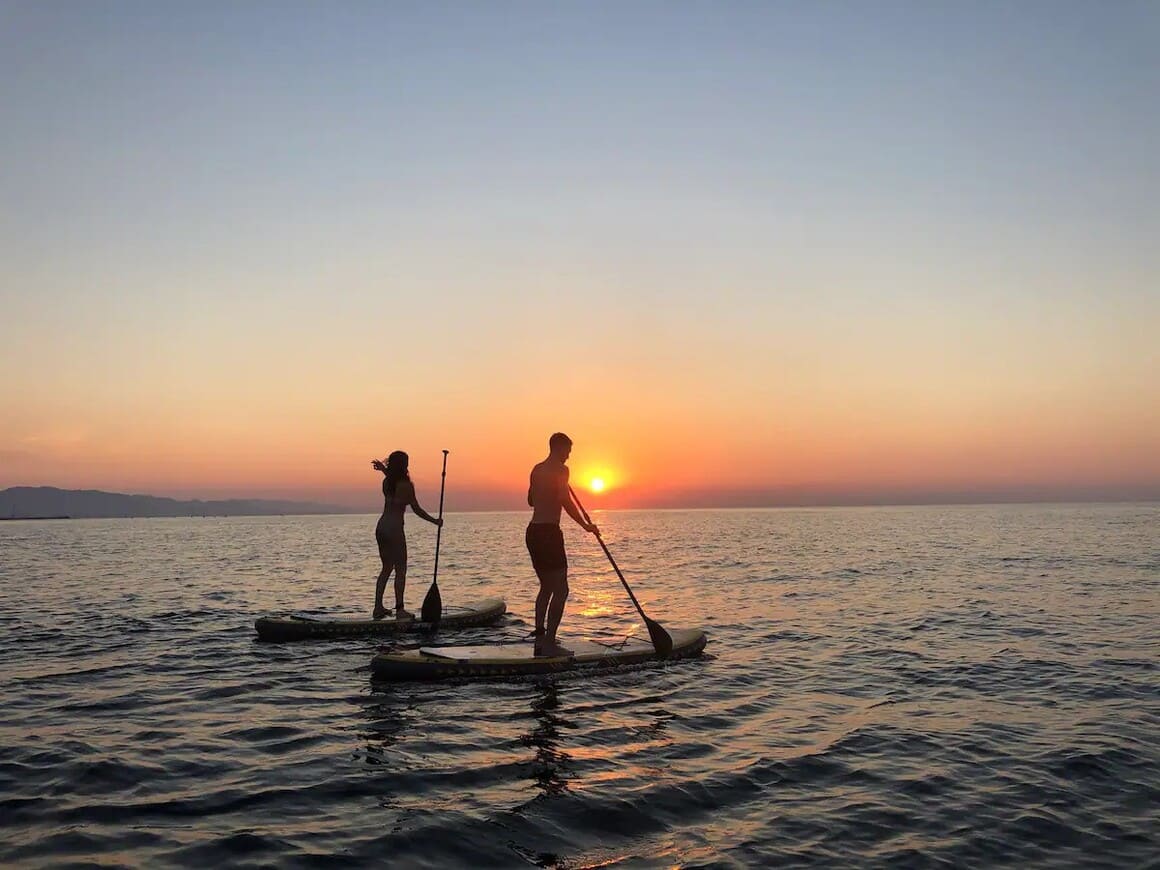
546,547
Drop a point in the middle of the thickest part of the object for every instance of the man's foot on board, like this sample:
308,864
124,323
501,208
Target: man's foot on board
380,612
400,613
549,649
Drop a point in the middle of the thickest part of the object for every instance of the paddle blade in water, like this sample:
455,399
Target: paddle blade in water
433,606
662,641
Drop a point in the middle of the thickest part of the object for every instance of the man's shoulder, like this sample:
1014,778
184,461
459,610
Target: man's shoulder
548,468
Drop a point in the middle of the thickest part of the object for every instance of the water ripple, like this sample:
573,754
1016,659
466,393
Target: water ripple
921,687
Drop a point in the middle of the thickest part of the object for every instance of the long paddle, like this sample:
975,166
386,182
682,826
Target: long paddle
432,610
662,641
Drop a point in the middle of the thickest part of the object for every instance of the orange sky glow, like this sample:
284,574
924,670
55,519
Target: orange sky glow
789,281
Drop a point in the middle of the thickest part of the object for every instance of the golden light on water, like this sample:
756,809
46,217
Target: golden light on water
599,599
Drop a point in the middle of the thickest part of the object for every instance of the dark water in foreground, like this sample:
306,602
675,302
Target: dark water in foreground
972,686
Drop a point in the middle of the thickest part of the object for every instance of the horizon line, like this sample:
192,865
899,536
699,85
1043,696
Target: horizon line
735,500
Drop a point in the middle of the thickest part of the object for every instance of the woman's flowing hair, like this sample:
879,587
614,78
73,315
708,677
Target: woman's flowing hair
396,470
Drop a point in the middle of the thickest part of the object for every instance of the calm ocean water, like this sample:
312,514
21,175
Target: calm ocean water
967,686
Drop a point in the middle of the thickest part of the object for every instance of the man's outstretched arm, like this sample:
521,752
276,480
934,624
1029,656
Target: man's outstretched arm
569,505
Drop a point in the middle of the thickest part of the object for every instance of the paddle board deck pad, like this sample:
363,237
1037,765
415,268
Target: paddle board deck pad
518,659
282,628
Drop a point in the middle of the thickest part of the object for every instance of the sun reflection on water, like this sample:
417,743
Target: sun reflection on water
551,766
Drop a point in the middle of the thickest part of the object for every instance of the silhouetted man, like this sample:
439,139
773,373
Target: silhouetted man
547,493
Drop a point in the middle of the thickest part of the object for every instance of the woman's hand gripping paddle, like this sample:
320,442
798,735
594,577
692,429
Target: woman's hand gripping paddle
432,610
662,641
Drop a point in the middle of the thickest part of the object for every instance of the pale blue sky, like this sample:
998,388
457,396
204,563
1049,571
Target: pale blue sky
842,199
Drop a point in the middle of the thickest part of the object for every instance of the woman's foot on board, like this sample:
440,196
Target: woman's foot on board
400,613
380,612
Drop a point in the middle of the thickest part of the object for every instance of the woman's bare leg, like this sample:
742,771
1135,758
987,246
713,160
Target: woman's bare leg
380,587
401,581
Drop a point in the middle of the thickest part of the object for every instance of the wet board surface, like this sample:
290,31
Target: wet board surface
296,627
450,613
518,659
521,651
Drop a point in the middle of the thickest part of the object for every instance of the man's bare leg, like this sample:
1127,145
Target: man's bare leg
542,599
559,597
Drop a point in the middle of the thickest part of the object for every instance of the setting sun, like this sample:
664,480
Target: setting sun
600,478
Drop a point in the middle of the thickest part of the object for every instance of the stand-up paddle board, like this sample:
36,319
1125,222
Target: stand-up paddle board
281,628
518,659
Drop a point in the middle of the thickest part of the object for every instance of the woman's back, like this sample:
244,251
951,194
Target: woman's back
395,504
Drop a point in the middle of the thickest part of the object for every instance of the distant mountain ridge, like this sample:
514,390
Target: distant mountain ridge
26,502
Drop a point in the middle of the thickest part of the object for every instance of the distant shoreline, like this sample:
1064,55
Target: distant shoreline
49,502
521,511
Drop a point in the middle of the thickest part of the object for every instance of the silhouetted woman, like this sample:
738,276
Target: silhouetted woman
398,492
